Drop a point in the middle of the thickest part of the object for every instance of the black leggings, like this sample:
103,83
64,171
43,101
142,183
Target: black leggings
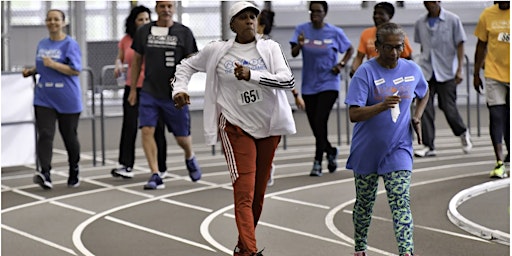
318,109
499,123
45,125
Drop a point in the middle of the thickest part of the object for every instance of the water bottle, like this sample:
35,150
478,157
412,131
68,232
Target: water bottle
121,79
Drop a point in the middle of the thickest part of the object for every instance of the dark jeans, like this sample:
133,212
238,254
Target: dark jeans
318,109
447,99
129,134
45,125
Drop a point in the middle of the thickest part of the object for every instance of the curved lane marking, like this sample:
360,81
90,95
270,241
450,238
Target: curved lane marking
77,233
469,226
329,219
110,187
208,237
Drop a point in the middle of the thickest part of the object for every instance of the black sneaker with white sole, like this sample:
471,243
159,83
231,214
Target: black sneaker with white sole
425,151
43,179
332,159
123,172
73,180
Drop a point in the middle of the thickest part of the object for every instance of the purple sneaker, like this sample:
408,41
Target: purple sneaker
194,171
155,182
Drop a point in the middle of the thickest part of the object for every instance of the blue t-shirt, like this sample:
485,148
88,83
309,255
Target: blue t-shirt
319,56
54,89
380,145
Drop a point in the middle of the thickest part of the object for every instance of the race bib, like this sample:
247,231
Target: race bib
159,31
249,96
504,37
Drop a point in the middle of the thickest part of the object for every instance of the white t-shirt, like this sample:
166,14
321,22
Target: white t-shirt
245,105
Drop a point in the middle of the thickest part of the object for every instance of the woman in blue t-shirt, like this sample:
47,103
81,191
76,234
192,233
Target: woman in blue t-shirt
320,44
57,97
379,98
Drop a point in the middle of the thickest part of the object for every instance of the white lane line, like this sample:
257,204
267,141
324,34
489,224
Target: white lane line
17,207
300,202
139,170
67,206
77,233
71,207
442,231
205,230
195,207
223,186
134,192
38,239
295,231
205,224
329,219
27,194
158,233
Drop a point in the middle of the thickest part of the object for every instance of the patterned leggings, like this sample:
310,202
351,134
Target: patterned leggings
397,185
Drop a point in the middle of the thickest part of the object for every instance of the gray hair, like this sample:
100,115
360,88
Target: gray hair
386,29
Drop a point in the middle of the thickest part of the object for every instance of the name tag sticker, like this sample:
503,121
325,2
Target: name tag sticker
409,78
504,37
379,81
398,80
249,96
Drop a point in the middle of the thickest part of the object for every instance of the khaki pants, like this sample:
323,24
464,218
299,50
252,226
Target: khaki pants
249,162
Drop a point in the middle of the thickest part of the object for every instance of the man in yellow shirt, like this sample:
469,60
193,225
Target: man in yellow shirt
493,32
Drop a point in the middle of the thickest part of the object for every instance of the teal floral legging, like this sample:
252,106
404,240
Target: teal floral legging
397,185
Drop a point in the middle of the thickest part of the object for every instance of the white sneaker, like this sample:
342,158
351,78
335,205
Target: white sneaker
124,172
271,178
465,141
424,152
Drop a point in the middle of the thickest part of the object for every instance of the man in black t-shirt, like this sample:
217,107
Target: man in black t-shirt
162,45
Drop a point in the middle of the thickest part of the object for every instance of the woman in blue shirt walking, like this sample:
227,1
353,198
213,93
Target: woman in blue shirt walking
57,97
379,99
320,44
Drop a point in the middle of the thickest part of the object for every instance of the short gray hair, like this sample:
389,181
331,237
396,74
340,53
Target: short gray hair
388,28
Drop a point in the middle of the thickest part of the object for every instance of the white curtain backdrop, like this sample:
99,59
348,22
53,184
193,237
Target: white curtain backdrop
18,140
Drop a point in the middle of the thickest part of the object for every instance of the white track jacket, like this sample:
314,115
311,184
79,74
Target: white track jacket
278,76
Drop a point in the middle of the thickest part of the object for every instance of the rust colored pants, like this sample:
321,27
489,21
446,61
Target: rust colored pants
249,161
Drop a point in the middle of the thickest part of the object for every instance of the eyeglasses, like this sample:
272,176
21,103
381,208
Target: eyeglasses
388,47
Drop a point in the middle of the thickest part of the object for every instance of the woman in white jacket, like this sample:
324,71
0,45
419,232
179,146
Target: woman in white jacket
246,105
